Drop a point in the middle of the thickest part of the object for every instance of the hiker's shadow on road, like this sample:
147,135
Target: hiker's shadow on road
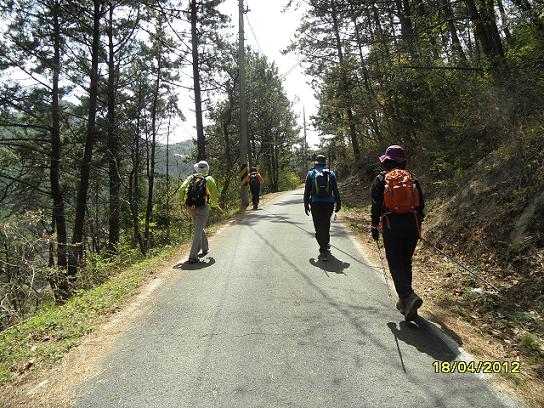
334,265
199,265
420,336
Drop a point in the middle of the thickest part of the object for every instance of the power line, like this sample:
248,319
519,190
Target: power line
254,36
282,76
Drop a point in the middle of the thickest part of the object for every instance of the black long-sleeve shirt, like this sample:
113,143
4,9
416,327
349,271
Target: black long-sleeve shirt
377,192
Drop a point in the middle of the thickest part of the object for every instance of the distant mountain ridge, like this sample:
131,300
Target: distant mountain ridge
177,166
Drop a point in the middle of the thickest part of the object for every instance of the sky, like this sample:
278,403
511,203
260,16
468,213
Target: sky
269,31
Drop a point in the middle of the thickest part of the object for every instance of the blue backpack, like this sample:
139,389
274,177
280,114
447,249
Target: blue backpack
322,183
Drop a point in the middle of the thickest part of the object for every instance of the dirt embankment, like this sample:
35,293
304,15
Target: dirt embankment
495,226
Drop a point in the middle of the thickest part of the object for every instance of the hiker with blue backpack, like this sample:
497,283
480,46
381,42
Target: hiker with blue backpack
321,198
255,181
199,191
397,205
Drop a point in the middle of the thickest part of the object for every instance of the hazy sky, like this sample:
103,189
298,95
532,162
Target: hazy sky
272,32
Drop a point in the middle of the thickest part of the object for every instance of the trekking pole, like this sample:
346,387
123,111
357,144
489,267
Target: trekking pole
460,264
384,273
183,213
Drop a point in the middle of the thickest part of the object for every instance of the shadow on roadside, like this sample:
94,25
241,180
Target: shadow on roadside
420,335
199,265
334,265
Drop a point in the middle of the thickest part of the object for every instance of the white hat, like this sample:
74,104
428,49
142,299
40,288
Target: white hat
202,168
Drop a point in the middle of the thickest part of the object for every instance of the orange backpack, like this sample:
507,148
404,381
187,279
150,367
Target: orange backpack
401,194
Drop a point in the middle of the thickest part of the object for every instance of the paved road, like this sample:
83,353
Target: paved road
262,323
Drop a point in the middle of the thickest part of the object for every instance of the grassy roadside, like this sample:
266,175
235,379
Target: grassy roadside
53,331
487,327
44,339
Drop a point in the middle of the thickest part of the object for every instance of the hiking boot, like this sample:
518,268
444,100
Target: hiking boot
401,306
192,260
255,206
412,303
323,256
203,254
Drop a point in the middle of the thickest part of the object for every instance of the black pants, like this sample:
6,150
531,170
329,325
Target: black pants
400,236
255,191
321,214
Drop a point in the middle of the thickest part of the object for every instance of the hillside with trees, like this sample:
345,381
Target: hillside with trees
90,99
89,105
460,85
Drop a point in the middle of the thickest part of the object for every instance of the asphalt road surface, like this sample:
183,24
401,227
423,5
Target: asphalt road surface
261,323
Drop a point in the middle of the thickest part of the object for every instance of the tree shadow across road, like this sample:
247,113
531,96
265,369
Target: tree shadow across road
199,265
290,202
332,265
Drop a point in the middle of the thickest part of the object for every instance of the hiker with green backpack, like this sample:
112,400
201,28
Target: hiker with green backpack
321,198
199,192
397,205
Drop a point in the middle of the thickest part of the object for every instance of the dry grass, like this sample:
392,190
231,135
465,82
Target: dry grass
56,385
481,331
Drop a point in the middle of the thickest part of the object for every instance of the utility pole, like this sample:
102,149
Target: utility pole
244,165
200,140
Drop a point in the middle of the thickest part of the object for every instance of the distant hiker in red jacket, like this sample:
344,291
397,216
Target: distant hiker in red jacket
255,181
397,203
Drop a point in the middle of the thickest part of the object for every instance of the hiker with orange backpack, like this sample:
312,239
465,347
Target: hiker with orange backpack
199,191
397,205
255,181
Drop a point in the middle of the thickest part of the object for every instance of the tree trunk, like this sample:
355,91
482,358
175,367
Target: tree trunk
56,190
364,70
113,146
134,185
200,141
81,201
404,14
456,44
487,33
346,92
226,122
168,181
151,174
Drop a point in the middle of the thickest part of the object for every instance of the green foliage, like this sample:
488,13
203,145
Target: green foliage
289,181
449,103
513,377
52,332
529,343
271,122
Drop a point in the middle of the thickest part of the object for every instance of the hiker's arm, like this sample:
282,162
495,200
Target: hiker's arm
421,207
183,189
307,190
260,178
336,193
378,187
214,191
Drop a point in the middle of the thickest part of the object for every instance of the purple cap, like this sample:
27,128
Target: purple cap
395,153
